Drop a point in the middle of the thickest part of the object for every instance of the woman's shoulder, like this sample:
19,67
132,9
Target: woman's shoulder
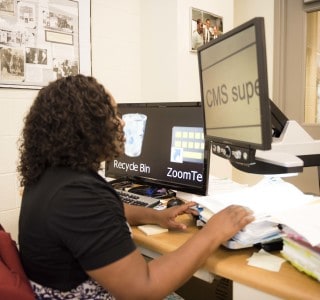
65,174
58,178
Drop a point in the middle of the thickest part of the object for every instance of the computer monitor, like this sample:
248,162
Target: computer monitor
165,146
234,93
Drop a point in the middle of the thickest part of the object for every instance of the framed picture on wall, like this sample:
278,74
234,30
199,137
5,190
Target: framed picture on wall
204,27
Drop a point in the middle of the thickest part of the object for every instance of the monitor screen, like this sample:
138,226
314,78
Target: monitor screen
234,92
165,146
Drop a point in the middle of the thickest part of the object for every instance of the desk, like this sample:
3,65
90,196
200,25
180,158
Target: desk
289,283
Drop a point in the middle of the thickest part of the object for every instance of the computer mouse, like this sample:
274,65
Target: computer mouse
174,202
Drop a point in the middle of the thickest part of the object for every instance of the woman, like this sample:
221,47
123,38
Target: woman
73,234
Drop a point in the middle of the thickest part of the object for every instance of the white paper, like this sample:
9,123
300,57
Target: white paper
304,220
267,197
152,229
272,200
265,260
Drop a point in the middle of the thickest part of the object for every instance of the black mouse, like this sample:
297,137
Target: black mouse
174,202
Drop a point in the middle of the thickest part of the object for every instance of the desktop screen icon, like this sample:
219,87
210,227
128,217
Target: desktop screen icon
134,129
187,144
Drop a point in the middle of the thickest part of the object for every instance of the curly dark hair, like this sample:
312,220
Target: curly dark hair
72,123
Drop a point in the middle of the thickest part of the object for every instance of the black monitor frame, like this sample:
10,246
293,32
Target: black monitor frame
154,181
230,147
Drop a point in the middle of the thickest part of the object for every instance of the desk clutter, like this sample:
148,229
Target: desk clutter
140,194
286,219
135,199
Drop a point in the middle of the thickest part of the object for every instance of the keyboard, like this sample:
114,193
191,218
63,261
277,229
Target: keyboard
135,199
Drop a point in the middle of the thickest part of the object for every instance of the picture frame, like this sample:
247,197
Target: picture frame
204,26
41,41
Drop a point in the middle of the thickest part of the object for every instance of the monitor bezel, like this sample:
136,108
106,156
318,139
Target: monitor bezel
265,111
167,184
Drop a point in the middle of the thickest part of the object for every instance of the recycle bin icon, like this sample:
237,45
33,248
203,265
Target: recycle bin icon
134,129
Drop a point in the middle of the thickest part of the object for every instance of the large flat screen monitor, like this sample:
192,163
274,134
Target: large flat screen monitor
165,146
234,92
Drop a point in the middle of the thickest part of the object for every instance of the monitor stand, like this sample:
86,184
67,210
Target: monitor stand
293,150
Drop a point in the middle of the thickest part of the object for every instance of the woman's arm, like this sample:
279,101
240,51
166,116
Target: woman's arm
133,278
137,215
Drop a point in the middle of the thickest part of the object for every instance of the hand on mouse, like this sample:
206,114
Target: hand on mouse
174,201
167,218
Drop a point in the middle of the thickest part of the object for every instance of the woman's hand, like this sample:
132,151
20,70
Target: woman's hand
227,222
167,218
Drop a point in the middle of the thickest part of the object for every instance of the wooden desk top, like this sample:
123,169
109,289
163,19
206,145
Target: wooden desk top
289,283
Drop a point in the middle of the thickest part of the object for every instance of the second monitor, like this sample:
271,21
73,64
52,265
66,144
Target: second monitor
165,146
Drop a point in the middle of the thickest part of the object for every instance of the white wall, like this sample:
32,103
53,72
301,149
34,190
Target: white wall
13,106
142,53
179,64
159,42
116,47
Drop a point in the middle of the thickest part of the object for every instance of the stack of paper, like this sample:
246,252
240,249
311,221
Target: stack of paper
301,254
268,198
259,231
304,220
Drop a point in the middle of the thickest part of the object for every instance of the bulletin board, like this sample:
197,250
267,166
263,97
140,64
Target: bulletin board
40,41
